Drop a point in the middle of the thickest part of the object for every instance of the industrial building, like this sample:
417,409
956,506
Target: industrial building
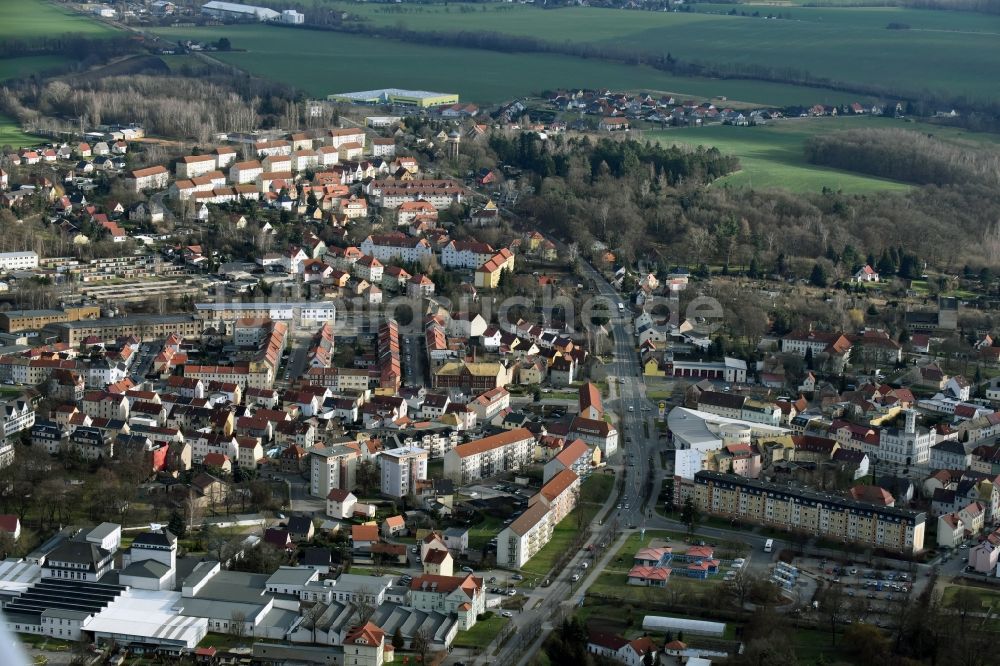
420,98
234,11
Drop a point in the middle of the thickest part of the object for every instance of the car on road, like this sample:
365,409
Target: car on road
575,577
507,614
413,549
631,408
511,592
619,505
468,569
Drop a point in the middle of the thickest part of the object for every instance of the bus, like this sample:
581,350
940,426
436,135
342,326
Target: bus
768,545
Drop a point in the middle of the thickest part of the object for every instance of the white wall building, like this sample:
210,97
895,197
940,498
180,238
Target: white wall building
402,468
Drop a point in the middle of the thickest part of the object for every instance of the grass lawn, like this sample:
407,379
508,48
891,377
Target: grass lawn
482,634
26,19
479,535
277,53
593,492
838,43
11,134
988,597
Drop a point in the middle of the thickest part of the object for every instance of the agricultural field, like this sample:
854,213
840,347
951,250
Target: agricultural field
12,68
279,53
772,155
838,43
27,19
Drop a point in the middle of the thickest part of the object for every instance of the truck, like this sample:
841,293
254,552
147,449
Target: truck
768,545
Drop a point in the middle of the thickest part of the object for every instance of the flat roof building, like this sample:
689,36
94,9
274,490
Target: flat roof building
418,98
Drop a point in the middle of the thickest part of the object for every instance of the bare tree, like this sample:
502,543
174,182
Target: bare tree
362,605
237,624
421,644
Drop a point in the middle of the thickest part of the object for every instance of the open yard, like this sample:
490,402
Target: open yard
989,597
277,53
482,634
772,155
836,43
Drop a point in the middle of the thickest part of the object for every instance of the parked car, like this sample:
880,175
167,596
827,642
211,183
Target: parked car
507,614
468,569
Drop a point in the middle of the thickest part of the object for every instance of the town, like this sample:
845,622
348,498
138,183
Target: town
395,377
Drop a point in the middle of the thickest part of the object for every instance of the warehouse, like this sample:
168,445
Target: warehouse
232,10
419,98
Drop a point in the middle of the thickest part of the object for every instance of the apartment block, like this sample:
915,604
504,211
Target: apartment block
823,514
483,458
402,468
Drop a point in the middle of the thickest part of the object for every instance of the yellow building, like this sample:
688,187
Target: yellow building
14,321
488,275
811,512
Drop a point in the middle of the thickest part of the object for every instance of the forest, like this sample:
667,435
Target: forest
173,106
907,156
647,202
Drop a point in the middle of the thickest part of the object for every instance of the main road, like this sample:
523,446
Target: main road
633,458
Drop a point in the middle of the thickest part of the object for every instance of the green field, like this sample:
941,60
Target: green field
11,134
28,19
839,43
25,19
482,634
12,68
772,155
350,62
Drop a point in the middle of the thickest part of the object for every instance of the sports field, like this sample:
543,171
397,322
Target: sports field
321,63
839,43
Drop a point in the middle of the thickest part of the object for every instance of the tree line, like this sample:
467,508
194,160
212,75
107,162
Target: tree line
905,155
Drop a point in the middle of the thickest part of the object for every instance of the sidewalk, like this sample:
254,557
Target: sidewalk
539,594
595,571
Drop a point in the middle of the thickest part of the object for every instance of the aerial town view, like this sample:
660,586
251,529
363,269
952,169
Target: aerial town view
495,333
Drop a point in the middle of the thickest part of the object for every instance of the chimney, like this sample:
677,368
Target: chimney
911,421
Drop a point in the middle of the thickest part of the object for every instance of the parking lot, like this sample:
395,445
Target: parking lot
874,593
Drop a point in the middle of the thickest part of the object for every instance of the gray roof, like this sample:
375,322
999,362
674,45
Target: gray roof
456,531
235,586
103,530
145,569
389,617
291,576
78,552
163,539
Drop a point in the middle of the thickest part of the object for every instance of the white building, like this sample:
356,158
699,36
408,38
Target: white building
402,468
332,467
909,446
292,17
483,458
232,10
18,261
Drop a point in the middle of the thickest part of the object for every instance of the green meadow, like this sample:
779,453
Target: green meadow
321,63
845,43
12,68
11,134
772,156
